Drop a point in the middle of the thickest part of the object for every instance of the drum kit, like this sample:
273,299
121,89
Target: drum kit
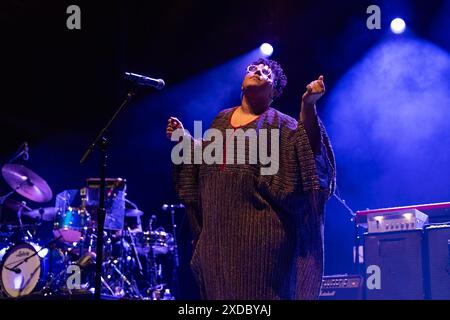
50,251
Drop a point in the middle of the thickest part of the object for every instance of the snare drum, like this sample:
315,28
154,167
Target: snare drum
25,268
69,224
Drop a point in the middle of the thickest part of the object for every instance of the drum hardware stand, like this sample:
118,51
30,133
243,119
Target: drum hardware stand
51,247
111,291
152,268
3,198
91,241
175,245
134,251
101,142
47,289
131,284
19,213
82,263
19,217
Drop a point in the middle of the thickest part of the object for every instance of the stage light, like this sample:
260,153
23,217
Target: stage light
266,49
398,25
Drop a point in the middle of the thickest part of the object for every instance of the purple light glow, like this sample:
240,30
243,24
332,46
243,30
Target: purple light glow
266,49
398,26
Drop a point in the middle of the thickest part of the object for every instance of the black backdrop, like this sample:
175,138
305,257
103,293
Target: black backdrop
59,86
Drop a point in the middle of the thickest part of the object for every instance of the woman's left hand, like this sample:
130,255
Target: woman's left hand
314,91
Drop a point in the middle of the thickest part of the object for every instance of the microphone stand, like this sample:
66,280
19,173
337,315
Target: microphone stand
101,142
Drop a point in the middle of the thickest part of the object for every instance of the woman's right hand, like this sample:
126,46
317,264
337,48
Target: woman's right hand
173,124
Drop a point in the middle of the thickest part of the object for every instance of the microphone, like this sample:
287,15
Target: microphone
25,151
145,81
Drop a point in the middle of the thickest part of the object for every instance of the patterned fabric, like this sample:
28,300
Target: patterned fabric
259,236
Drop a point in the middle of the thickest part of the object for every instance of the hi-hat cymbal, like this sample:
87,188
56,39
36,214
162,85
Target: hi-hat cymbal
15,205
46,214
133,213
26,183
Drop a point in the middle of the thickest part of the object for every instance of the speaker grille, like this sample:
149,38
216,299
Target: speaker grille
438,263
399,257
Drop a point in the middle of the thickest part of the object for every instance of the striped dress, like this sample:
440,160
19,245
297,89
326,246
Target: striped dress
259,237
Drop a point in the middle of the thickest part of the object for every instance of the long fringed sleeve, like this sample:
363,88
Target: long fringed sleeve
318,177
185,178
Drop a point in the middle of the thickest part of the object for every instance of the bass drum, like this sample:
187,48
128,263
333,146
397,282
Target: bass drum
25,268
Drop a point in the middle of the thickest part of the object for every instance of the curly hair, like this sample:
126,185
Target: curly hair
280,79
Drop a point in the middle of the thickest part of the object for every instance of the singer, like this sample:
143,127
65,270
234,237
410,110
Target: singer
261,236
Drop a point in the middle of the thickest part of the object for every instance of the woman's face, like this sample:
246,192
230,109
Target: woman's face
259,78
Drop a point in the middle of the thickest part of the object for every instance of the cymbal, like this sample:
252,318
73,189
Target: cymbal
133,213
15,205
46,214
27,183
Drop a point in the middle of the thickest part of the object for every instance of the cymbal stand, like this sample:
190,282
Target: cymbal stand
134,251
175,250
22,230
3,198
152,268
